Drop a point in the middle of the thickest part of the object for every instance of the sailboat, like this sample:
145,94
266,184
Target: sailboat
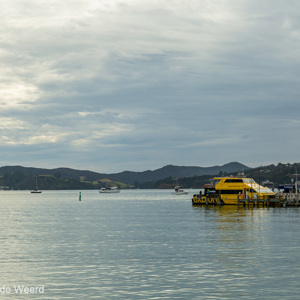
36,190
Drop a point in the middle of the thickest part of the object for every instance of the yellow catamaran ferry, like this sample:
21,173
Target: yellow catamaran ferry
228,190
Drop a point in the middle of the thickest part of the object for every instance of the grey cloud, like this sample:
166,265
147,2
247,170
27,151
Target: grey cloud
137,85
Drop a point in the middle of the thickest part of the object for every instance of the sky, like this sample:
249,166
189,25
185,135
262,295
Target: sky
109,86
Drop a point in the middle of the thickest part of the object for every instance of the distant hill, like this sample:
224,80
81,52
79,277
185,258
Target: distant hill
128,177
271,174
66,173
18,177
175,171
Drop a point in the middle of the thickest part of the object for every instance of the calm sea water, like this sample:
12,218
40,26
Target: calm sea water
144,244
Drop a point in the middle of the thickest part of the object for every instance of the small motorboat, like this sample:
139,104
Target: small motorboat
179,191
113,189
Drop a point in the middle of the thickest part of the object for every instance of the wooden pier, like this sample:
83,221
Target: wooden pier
279,200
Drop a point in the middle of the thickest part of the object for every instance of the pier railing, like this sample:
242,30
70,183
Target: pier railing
279,199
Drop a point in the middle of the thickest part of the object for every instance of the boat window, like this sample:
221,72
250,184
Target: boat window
233,180
232,192
216,181
263,190
248,180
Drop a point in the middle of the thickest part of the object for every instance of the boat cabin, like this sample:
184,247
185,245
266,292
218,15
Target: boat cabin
229,189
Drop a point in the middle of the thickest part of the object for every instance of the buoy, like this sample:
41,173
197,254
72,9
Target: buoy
79,196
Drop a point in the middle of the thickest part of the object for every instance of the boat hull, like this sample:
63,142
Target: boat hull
202,200
36,192
180,193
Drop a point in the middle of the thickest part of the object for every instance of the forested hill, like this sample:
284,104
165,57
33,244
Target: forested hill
176,171
280,174
128,177
18,177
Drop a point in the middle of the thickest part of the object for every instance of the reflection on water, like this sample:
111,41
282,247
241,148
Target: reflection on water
254,249
146,244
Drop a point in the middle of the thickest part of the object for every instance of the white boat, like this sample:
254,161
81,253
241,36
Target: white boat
113,189
179,191
36,191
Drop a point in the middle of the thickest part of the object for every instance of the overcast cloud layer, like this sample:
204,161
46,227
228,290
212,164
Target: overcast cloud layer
112,85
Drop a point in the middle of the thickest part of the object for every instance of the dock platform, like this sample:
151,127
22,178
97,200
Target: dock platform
277,201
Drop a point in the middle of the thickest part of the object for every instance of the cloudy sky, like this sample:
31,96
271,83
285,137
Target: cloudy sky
114,85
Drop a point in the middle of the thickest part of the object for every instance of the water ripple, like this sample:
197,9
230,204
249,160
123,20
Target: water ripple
145,245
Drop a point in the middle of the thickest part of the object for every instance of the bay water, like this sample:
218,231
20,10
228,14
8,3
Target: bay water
144,244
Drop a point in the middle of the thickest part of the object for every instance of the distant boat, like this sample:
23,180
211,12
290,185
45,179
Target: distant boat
179,191
36,190
113,189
